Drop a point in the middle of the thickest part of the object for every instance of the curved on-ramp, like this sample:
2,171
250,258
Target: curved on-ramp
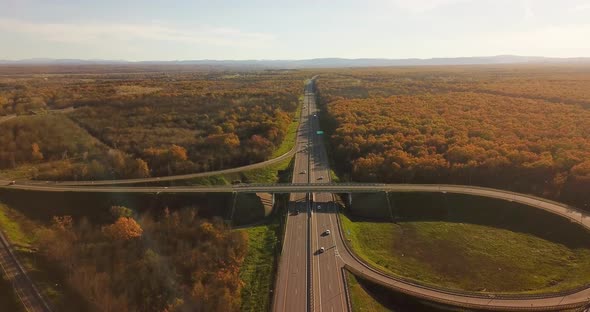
576,298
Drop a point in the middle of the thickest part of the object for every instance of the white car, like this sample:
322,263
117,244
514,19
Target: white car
12,183
327,232
319,207
321,178
303,172
322,249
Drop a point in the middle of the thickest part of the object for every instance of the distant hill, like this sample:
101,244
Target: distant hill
316,63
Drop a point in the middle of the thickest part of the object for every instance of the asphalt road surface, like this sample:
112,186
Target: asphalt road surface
291,289
328,285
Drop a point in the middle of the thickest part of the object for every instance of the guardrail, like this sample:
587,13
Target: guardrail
346,289
310,299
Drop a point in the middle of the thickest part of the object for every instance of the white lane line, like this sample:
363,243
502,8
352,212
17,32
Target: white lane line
318,255
336,254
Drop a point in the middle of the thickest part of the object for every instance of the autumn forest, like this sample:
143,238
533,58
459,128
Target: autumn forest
520,128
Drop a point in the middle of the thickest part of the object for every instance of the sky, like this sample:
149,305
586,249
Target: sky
140,30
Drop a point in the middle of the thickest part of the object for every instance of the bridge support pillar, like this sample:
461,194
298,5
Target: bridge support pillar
273,199
350,200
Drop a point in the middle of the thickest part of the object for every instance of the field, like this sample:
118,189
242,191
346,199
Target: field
474,244
509,127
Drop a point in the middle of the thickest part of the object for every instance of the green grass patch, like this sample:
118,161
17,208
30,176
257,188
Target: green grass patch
366,296
261,263
360,298
291,136
258,267
474,244
269,174
12,228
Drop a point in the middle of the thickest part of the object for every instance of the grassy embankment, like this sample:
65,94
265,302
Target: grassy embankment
361,299
474,244
259,266
366,296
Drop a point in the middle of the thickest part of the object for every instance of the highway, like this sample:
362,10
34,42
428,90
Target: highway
291,289
328,284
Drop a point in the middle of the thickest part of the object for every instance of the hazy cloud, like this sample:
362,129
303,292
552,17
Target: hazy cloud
529,14
582,7
418,6
549,40
107,32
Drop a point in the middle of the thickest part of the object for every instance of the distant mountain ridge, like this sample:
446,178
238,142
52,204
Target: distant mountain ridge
317,62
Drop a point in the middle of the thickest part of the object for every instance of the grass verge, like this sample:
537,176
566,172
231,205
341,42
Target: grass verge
291,136
360,298
451,253
257,270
